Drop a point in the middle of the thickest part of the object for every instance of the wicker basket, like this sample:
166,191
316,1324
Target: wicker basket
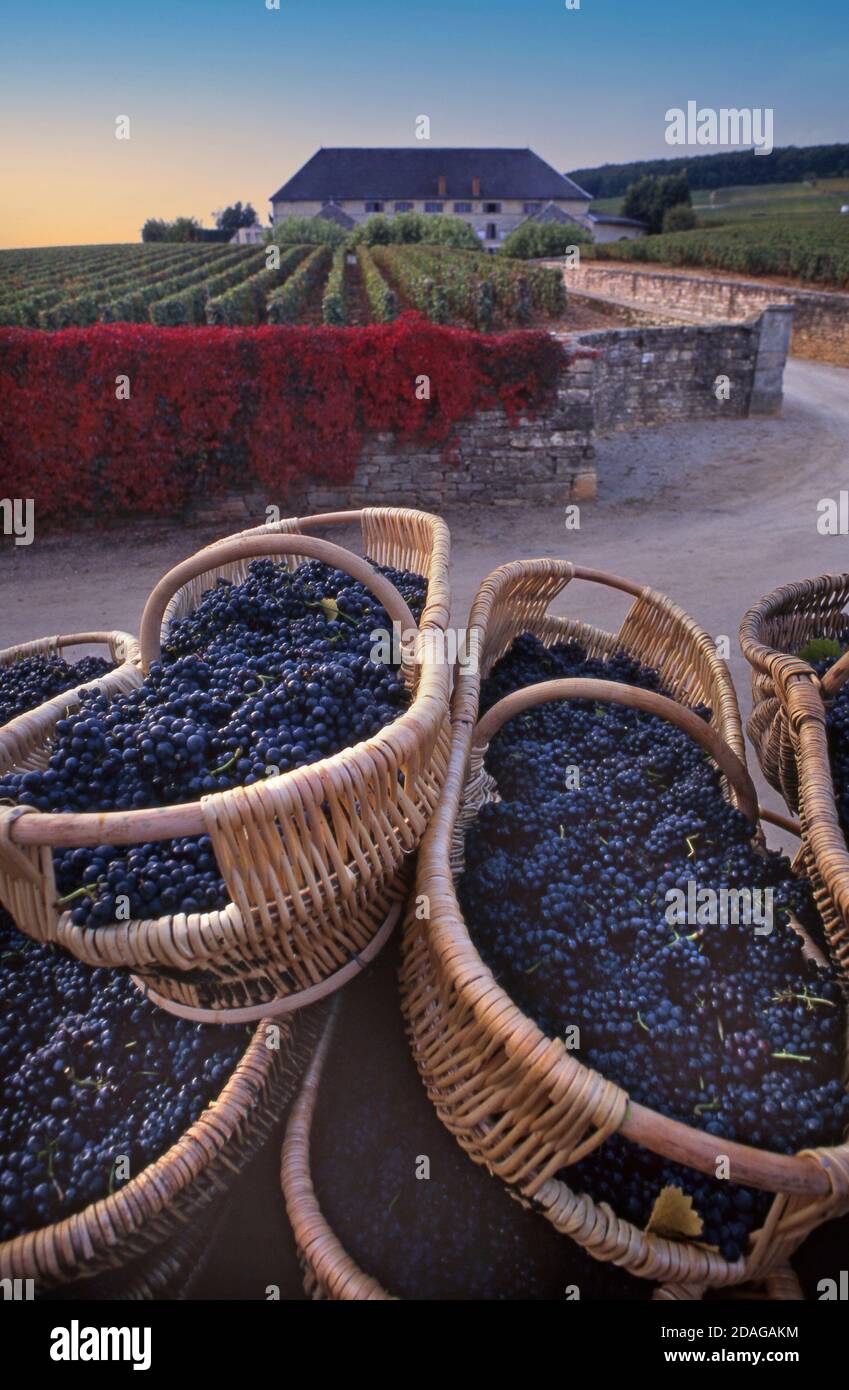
518,1101
22,742
317,860
788,728
330,1273
167,1272
155,1214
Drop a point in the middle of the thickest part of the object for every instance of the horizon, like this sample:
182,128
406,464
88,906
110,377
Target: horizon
227,99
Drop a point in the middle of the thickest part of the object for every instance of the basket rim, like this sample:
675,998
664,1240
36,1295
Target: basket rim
802,709
427,706
329,1263
19,651
32,725
450,941
155,1188
335,1272
771,661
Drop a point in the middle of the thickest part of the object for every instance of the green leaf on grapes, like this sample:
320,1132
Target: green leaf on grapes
819,648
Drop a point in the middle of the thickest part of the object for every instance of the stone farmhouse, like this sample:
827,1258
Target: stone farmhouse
494,190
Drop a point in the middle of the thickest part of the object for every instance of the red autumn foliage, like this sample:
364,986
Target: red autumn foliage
213,408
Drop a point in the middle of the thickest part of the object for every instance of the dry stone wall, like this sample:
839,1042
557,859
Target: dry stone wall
631,377
820,321
652,376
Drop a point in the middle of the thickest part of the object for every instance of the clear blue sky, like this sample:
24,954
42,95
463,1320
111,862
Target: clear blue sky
227,98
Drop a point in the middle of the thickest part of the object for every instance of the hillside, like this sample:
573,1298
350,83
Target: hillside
748,202
790,164
812,250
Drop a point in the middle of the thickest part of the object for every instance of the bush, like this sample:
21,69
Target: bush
540,240
45,283
441,230
287,304
312,231
807,248
376,231
212,406
409,227
446,285
485,312
333,303
188,306
381,298
679,218
244,306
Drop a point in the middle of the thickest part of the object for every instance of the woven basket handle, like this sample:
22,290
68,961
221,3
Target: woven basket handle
835,677
613,692
251,548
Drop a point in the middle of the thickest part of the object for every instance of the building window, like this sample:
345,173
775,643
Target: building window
532,207
463,207
374,207
403,207
434,207
492,207
491,231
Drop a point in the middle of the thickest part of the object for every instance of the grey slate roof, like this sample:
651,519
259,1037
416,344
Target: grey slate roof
336,174
578,186
552,213
615,221
332,212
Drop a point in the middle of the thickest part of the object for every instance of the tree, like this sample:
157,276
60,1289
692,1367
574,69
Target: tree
289,231
785,165
184,229
155,229
181,229
679,218
234,217
538,240
648,199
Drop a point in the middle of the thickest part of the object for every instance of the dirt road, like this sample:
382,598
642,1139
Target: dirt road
713,514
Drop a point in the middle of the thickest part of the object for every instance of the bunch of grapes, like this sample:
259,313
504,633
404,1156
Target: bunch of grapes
407,1204
95,1083
27,683
264,676
575,890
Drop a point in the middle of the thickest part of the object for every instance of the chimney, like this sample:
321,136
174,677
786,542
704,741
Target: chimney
443,185
476,187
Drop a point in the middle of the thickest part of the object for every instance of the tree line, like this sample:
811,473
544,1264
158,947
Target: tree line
790,164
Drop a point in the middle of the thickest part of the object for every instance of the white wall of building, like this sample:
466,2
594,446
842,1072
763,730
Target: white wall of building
490,227
604,232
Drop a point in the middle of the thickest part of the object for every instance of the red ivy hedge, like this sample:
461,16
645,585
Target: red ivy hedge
210,408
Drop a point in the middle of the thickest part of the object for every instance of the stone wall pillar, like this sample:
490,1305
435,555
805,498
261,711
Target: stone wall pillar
776,326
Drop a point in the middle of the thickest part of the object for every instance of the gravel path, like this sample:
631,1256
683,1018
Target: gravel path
713,514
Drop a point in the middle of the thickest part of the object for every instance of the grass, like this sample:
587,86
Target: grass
748,202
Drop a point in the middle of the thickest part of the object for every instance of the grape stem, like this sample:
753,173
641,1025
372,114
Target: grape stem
217,771
85,891
785,996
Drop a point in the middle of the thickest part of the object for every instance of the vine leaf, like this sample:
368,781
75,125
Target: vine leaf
674,1216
